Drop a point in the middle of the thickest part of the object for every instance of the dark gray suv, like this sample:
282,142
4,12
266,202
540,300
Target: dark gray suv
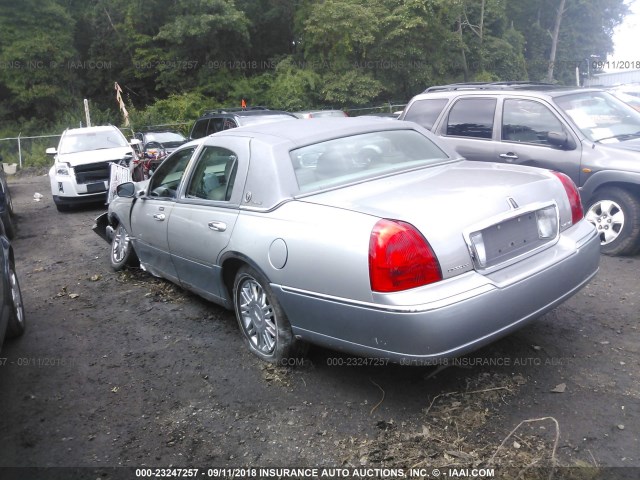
213,121
588,134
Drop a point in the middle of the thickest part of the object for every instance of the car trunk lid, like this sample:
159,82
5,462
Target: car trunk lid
448,203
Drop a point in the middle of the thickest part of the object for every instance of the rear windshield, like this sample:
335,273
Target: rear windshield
85,141
359,157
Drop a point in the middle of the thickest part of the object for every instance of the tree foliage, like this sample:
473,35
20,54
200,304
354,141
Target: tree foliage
174,59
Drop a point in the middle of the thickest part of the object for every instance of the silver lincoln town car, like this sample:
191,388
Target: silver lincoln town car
361,235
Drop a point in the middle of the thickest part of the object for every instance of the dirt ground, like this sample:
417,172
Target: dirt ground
122,369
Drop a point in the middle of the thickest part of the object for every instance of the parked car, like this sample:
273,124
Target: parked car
587,134
6,204
80,173
12,317
213,121
165,142
358,234
320,113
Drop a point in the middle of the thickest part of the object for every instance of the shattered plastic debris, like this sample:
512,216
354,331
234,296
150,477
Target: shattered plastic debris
37,196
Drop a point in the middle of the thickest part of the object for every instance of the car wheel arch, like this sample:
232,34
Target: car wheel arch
231,263
622,199
598,181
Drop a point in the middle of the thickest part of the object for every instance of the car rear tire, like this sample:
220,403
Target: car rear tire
16,324
615,213
122,254
264,325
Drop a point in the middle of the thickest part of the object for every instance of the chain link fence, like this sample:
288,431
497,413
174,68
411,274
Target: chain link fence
28,151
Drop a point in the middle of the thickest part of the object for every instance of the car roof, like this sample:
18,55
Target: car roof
318,130
503,88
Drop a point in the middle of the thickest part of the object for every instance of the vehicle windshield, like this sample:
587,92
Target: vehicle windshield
164,137
85,141
601,116
364,156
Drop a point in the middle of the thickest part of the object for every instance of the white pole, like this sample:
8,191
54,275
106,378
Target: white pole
86,112
577,76
19,151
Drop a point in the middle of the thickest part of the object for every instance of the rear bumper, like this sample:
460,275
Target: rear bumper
463,320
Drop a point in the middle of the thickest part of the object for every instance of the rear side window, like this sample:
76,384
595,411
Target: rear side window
200,128
527,121
472,117
425,112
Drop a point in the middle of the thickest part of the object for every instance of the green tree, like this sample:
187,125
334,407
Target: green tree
35,48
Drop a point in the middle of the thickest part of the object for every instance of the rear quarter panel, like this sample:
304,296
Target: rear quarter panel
326,247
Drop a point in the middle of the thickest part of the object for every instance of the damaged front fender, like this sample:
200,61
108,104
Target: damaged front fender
102,227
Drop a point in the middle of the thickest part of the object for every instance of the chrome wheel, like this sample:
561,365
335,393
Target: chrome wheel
16,297
120,245
257,316
16,323
608,218
122,254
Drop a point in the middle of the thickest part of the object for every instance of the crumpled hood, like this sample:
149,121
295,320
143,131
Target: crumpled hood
94,156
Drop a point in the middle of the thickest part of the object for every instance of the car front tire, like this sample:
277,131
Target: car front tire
264,325
122,254
615,213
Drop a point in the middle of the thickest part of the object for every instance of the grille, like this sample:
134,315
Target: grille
93,172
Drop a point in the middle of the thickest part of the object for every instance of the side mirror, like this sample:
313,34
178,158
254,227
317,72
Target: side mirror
126,190
51,151
560,140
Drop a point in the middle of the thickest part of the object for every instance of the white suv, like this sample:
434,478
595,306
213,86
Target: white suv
80,173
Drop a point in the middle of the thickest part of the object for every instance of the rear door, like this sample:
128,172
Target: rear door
468,128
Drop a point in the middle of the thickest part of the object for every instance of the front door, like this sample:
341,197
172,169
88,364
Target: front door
525,129
150,214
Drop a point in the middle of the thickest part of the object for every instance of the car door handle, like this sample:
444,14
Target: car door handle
509,157
218,226
159,216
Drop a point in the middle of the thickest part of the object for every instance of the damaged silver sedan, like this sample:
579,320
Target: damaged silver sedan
360,235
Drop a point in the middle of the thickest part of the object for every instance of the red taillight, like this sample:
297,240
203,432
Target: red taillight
400,258
573,195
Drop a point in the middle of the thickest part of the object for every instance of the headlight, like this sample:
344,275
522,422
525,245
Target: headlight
62,169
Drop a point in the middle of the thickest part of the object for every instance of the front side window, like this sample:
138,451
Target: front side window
228,124
166,179
472,117
360,157
214,175
425,112
528,121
